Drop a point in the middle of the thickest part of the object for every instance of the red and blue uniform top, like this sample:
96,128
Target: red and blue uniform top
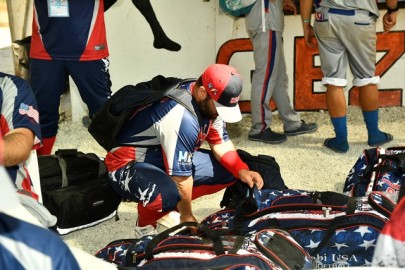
71,30
166,135
18,109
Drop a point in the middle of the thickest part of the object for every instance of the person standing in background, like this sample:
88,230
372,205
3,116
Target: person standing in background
68,39
346,35
270,75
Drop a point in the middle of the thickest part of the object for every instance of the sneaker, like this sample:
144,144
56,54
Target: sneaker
268,136
143,231
169,220
304,128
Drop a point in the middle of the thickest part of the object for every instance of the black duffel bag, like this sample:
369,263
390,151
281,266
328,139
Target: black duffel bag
266,166
75,189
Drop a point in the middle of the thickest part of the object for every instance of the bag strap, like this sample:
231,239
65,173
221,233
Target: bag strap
381,203
398,159
102,170
211,234
345,220
185,98
331,200
62,164
61,154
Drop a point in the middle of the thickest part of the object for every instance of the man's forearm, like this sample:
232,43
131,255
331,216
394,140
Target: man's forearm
17,147
306,10
185,188
391,4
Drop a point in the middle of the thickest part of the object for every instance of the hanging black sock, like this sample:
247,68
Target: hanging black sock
161,41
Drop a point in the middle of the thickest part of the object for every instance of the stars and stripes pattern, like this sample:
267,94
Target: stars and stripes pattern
354,184
351,246
374,172
334,240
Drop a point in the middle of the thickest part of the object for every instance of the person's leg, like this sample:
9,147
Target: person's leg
48,80
260,111
92,79
362,59
291,119
263,81
161,40
336,103
368,100
153,190
334,62
209,175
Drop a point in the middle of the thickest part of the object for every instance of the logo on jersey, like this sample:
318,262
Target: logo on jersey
319,16
202,134
29,111
184,158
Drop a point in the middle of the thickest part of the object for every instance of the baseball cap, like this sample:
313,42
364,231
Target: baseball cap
224,85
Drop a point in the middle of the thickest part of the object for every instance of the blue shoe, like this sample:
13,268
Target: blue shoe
388,138
334,146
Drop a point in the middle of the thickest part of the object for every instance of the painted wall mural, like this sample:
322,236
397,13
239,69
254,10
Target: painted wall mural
161,40
306,96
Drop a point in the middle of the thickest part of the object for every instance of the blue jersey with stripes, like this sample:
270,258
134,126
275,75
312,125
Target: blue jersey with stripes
78,34
18,109
26,246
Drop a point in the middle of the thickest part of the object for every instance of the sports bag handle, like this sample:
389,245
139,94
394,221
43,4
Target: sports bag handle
398,159
62,164
211,234
61,154
381,203
333,200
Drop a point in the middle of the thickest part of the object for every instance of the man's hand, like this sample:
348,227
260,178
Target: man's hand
187,218
251,178
309,35
289,5
389,21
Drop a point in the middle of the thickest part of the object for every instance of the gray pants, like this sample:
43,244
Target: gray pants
270,81
346,40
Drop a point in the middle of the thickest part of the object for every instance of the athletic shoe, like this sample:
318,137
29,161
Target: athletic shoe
169,220
304,128
268,136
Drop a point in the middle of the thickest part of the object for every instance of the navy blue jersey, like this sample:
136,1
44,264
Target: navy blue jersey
166,135
26,246
18,109
76,34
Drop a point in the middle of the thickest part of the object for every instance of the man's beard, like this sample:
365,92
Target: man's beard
204,109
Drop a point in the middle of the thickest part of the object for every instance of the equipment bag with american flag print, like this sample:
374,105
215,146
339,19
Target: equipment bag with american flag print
208,249
335,229
377,169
